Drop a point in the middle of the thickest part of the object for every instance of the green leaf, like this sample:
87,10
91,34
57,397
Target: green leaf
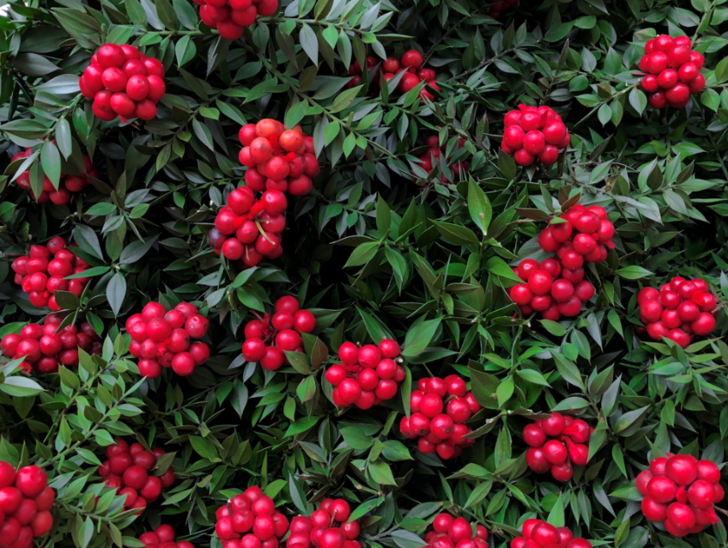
344,99
185,49
362,254
558,32
568,370
309,42
185,13
88,241
554,328
20,387
556,515
86,532
203,134
50,159
638,100
533,377
479,206
419,336
204,448
381,473
301,425
498,266
457,234
384,216
634,272
116,292
166,14
630,420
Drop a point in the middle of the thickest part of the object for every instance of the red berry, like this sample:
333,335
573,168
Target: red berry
688,72
10,532
677,94
197,326
536,460
369,356
544,534
521,294
654,511
513,137
110,55
707,470
549,155
662,489
680,516
657,62
389,348
555,452
145,110
667,79
533,435
562,290
642,480
349,390
650,83
526,267
561,231
31,480
523,157
658,100
431,405
697,85
651,311
540,282
456,386
681,469
534,142
657,330
701,494
412,59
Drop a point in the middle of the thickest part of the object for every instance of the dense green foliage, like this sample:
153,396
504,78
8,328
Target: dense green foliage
373,251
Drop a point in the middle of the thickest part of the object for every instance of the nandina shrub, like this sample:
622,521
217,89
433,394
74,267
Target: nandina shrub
272,159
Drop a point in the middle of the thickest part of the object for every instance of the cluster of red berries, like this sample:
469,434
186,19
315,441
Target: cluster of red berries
128,471
680,309
267,339
163,537
250,520
25,505
548,294
680,491
539,534
672,71
67,185
439,409
584,237
123,82
44,347
497,7
432,156
246,229
410,62
328,527
555,444
278,158
450,532
44,270
534,132
368,375
164,339
230,17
